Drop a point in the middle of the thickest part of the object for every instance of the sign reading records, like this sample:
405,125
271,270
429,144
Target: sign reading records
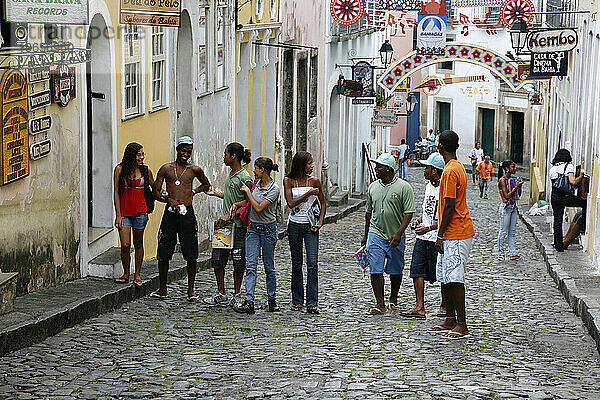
47,11
553,40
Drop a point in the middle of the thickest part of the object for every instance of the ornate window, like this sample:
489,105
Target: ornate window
158,67
221,49
132,60
202,50
260,8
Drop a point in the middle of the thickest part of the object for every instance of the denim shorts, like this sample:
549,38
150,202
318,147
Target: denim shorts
137,222
379,249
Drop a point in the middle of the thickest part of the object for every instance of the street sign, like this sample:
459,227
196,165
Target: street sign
40,99
384,117
365,101
549,64
552,40
40,149
38,75
41,124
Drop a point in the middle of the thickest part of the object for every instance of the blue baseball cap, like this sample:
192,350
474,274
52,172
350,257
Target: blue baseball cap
436,160
386,159
185,140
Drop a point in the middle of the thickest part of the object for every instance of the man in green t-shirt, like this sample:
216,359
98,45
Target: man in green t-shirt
390,207
233,199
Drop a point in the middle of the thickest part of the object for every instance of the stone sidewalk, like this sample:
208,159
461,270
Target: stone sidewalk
577,277
41,314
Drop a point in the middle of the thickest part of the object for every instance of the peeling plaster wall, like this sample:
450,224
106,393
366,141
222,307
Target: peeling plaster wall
40,214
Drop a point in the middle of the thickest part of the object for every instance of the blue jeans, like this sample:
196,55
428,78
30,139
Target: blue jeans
483,187
298,233
403,165
260,236
508,222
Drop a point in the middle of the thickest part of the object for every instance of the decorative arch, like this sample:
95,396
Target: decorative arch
481,56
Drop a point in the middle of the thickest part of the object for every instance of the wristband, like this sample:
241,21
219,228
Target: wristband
440,238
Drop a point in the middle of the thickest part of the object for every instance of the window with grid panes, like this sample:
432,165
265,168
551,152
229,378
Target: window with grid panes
202,51
158,67
132,70
221,49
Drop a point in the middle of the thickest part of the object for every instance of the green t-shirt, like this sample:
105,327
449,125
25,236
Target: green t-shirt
232,192
387,205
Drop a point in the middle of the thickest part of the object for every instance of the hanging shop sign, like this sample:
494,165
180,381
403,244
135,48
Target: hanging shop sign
431,29
63,85
363,72
151,12
15,128
553,40
40,149
47,11
384,117
523,71
39,125
53,56
40,99
347,12
35,75
549,64
349,88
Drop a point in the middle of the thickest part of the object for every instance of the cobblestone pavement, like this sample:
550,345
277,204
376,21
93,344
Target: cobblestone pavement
525,341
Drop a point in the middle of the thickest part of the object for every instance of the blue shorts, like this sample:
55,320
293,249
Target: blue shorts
379,249
137,222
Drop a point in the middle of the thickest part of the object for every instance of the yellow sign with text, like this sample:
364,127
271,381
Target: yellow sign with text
151,12
15,127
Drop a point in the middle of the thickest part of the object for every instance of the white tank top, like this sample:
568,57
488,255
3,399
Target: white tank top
299,214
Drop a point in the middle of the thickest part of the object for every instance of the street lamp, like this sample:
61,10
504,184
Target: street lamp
411,104
386,52
518,34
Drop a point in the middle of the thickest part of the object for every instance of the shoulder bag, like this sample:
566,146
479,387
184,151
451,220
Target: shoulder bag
561,185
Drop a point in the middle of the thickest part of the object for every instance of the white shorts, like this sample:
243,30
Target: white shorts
451,265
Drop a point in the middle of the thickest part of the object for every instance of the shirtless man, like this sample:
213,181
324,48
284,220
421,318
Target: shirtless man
178,217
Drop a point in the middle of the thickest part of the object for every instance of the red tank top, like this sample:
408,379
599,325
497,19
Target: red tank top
133,202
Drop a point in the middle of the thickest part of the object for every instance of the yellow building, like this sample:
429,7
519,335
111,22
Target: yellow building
128,101
256,76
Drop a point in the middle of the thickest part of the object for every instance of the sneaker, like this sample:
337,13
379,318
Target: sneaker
219,299
272,306
245,308
236,300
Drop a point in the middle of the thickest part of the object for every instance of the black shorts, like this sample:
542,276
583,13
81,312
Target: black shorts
424,260
220,256
171,226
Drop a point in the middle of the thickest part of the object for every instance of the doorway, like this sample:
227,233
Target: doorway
487,118
99,132
517,123
413,123
443,112
183,94
334,136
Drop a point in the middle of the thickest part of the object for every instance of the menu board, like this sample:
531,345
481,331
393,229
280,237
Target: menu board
15,127
151,12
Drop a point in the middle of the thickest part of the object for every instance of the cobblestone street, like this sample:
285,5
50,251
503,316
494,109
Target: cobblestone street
525,343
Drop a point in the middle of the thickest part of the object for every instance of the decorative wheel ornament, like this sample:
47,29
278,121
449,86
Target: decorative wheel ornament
347,12
511,9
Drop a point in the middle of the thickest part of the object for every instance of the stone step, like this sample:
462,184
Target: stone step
8,291
339,199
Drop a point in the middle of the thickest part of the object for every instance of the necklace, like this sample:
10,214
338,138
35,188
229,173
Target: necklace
177,179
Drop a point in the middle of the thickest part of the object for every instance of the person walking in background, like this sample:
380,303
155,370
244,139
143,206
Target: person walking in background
234,157
390,207
262,233
476,156
510,191
454,240
424,256
178,218
563,193
403,156
304,195
485,169
431,138
131,178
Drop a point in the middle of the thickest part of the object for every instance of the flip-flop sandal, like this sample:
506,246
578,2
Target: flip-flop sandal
193,299
394,306
375,311
413,314
455,335
137,283
441,314
156,296
296,307
122,280
438,329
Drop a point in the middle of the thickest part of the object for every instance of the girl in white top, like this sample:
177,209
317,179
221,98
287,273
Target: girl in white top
304,195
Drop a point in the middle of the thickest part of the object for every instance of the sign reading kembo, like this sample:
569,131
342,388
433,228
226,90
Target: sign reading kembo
47,11
151,12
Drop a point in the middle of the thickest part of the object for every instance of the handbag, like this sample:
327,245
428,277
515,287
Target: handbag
245,209
148,196
561,185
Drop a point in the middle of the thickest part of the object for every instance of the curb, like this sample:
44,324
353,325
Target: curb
35,329
584,307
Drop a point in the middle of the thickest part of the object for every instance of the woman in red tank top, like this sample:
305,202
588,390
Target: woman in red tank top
130,178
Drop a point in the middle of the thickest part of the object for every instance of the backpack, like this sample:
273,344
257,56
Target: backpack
407,154
561,185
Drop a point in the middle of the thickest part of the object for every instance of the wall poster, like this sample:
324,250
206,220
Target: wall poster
15,127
